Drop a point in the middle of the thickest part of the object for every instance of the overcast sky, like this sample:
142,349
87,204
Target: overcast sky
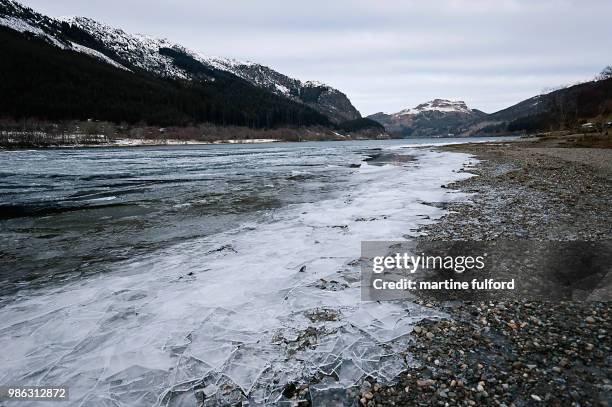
385,55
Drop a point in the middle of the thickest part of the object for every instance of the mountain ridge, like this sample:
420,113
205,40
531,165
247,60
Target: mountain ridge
437,117
140,54
561,109
168,84
331,102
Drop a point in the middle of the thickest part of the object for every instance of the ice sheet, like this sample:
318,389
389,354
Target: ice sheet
248,320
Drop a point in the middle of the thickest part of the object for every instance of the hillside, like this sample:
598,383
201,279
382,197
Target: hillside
562,109
436,118
43,82
325,99
78,69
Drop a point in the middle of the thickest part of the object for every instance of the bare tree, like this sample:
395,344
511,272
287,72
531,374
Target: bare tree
606,73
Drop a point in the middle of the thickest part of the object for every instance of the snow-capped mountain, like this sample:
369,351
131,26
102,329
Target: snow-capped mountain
438,105
325,99
438,117
163,58
134,50
23,20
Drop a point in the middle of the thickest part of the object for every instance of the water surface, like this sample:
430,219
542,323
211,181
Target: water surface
139,275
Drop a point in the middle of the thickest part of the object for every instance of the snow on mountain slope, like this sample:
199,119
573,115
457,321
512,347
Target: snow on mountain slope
139,50
257,74
317,95
164,58
24,26
24,20
96,54
438,105
144,53
438,117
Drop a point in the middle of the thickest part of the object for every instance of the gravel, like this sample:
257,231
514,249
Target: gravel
524,354
523,191
517,353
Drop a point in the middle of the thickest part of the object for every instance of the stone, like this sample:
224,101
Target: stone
424,382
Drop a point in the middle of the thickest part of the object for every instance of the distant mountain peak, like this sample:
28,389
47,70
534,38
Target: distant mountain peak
437,117
438,105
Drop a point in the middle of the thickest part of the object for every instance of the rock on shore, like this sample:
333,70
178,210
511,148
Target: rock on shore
518,353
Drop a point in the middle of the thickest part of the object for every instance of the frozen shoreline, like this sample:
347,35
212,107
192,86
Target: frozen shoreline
235,308
518,352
